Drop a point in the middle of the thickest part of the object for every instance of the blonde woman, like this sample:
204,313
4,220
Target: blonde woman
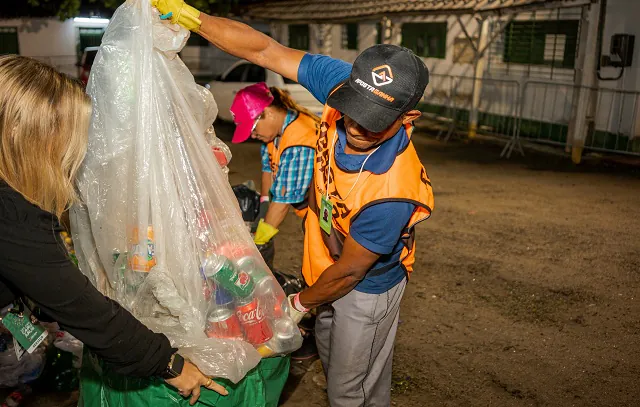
44,120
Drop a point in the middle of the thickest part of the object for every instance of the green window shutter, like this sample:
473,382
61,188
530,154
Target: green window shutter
350,36
299,36
553,43
426,39
89,37
9,40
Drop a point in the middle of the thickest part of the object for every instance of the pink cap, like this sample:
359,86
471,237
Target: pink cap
247,106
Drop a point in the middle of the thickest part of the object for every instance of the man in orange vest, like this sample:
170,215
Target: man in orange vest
369,192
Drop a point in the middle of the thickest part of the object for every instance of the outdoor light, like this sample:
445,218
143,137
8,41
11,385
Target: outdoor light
92,20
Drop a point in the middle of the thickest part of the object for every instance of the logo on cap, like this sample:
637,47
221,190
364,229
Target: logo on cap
382,75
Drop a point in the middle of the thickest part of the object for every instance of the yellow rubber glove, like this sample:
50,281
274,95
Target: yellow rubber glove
264,233
179,12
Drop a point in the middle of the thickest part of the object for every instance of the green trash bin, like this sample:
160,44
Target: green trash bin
261,387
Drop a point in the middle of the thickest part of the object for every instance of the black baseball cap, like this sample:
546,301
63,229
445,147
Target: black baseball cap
386,81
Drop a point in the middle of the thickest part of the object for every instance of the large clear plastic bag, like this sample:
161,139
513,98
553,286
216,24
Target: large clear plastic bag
159,229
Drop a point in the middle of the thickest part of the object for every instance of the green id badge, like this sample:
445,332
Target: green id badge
326,212
28,335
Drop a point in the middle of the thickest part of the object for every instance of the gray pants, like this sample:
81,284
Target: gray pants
355,337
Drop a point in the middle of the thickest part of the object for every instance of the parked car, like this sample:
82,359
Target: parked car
86,62
243,74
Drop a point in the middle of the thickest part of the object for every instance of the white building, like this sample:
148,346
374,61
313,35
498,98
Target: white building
517,68
513,67
56,42
60,43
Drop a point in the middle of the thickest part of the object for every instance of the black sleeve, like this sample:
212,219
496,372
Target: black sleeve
34,263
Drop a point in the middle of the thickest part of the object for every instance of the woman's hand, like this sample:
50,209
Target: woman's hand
190,381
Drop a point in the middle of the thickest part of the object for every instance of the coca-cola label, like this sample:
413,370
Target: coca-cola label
254,316
243,279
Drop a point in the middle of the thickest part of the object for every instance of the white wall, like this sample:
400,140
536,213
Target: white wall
49,39
44,37
444,66
337,51
211,60
622,18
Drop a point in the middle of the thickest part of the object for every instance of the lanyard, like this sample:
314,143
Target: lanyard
331,152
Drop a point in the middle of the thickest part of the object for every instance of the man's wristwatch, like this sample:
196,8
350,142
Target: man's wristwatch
174,368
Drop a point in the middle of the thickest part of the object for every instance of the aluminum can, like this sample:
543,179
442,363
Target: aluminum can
285,339
218,267
234,250
253,320
252,266
223,323
222,297
207,289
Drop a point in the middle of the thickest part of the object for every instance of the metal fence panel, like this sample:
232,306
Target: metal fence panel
535,110
448,101
547,110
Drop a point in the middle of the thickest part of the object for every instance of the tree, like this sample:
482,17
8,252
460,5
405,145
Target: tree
71,8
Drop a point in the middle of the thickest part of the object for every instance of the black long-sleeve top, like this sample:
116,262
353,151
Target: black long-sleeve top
34,263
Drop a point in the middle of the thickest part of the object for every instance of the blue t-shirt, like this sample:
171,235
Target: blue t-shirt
378,228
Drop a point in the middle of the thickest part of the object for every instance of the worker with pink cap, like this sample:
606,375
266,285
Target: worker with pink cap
288,132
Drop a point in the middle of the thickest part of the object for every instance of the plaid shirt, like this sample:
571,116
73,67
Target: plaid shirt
291,182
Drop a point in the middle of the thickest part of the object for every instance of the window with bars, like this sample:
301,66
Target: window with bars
553,43
350,36
9,40
426,39
299,36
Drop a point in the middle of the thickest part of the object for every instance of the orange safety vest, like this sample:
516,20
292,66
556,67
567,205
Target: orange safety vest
302,132
405,181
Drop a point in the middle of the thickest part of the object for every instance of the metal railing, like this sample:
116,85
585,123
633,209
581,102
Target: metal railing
539,111
612,116
448,102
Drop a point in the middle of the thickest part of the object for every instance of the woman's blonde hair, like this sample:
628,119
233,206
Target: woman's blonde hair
44,121
283,100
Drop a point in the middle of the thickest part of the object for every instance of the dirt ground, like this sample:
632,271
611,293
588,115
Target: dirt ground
527,282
